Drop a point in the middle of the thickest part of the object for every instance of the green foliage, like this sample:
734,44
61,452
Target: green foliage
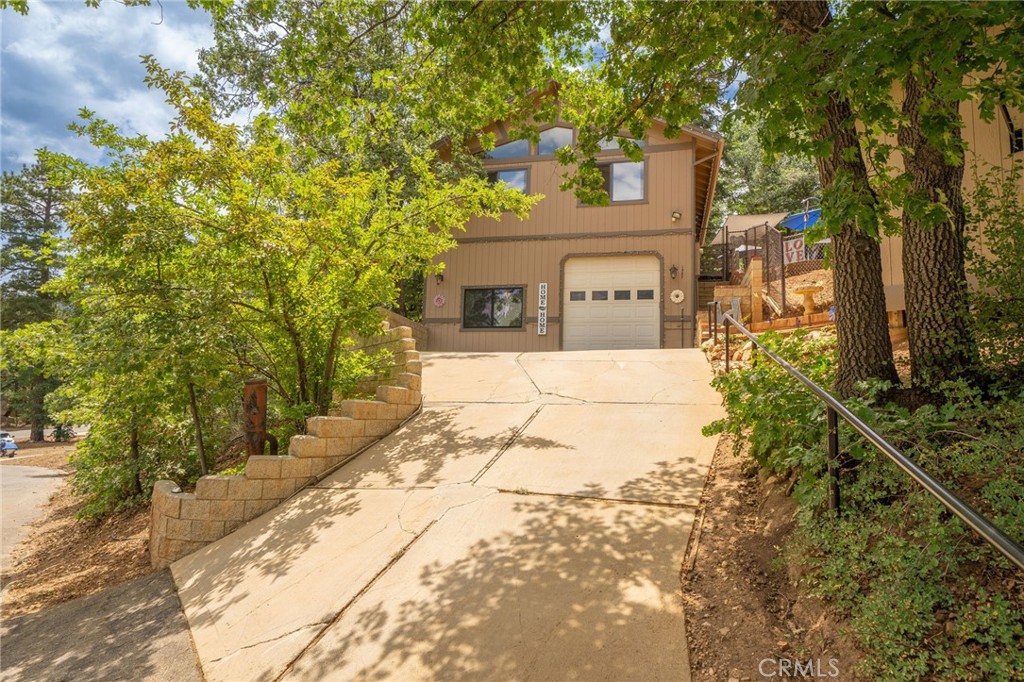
218,253
31,369
782,421
752,182
62,433
996,260
33,215
925,597
33,253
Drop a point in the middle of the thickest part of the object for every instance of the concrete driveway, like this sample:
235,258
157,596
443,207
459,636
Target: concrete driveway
529,524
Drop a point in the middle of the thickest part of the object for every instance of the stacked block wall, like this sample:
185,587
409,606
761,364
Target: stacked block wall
181,522
420,332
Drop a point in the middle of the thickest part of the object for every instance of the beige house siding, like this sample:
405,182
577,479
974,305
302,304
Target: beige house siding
527,264
513,252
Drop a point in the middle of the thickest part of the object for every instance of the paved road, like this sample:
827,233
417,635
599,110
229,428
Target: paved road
134,631
529,524
22,435
23,491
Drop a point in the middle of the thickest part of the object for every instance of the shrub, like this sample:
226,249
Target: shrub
925,597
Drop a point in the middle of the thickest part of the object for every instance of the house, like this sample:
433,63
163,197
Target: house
575,276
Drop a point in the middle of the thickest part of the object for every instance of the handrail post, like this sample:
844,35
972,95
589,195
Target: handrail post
833,459
714,305
726,330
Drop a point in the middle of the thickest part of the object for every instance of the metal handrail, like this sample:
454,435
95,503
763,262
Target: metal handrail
981,525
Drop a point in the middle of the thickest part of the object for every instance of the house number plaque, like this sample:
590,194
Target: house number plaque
542,309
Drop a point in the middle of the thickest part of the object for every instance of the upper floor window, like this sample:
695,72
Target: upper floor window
553,139
612,143
510,150
624,180
515,178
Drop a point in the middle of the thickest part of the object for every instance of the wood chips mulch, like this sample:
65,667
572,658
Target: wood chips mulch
64,558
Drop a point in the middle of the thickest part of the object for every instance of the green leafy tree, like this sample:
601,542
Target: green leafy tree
751,181
995,262
919,62
31,370
218,253
32,255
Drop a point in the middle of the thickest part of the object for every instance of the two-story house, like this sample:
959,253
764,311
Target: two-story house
575,276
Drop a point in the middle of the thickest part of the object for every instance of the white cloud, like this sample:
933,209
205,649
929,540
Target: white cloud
64,56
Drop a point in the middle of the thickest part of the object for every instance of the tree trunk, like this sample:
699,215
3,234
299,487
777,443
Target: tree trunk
862,329
37,433
323,391
199,428
136,461
942,345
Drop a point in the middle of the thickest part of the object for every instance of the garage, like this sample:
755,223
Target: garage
611,302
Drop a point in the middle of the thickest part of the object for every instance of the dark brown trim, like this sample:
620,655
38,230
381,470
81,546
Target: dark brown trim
661,286
609,155
565,236
678,318
457,320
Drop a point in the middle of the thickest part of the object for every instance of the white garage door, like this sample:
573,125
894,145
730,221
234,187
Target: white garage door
611,302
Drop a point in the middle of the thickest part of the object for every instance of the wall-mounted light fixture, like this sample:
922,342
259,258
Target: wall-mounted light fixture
676,215
673,271
439,278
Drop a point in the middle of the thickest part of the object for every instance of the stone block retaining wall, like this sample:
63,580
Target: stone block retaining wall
183,522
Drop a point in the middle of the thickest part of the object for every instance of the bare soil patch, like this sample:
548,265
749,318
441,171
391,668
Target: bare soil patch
64,558
823,300
745,616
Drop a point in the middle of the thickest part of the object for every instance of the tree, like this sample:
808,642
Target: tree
218,253
931,57
752,181
30,372
33,254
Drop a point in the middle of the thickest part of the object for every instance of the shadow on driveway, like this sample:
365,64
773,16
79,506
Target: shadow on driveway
134,631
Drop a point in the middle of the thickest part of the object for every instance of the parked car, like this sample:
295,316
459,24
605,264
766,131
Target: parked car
8,448
6,437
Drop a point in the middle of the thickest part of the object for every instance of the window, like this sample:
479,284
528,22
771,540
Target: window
624,180
611,143
645,295
577,295
515,178
553,139
495,308
622,294
598,295
509,150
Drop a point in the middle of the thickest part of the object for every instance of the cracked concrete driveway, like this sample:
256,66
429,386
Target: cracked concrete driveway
530,523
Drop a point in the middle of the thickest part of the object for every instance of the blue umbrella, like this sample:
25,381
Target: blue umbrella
798,222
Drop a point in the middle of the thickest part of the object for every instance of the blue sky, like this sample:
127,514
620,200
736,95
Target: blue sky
63,56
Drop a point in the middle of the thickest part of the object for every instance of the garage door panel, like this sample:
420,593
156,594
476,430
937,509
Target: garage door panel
607,321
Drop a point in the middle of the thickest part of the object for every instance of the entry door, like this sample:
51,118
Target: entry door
611,302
